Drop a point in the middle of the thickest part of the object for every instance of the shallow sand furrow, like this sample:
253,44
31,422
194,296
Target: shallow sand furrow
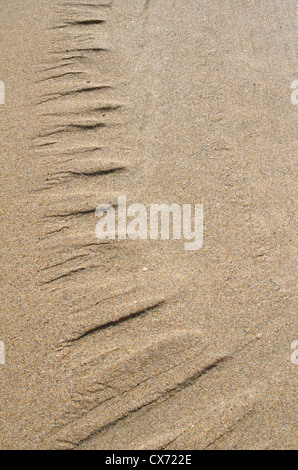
129,316
93,421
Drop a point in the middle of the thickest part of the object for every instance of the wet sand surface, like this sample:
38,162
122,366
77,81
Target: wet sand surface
141,344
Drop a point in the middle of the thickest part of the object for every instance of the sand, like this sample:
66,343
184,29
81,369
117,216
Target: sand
141,344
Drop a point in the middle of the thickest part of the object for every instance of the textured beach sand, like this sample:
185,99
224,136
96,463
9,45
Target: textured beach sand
143,345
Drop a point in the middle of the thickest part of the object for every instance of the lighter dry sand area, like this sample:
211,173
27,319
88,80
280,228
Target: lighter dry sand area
141,344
